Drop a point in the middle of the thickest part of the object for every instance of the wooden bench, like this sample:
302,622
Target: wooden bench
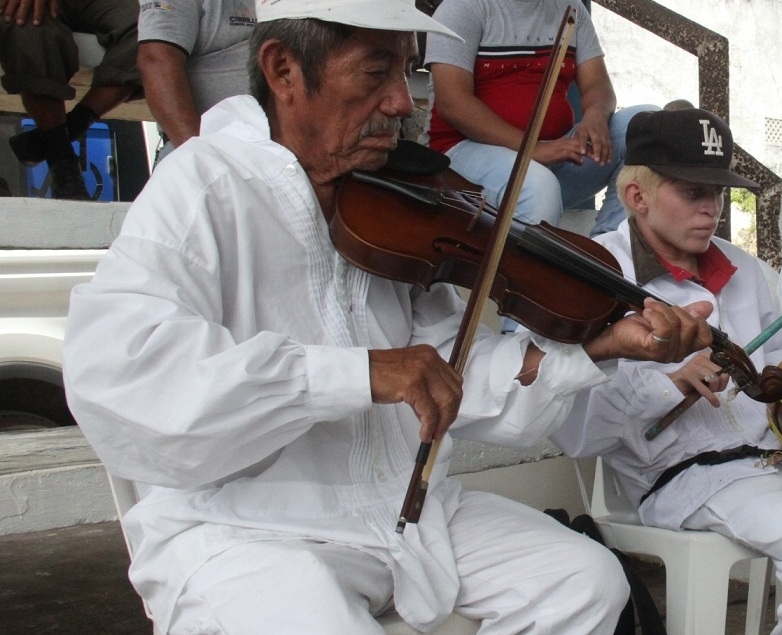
90,54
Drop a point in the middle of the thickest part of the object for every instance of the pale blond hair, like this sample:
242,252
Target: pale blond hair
649,180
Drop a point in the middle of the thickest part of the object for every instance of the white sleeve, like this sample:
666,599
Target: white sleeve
164,392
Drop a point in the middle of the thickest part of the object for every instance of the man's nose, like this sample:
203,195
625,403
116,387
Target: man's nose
714,204
399,101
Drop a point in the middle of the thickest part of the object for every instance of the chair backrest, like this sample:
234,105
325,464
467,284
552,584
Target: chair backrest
608,499
125,496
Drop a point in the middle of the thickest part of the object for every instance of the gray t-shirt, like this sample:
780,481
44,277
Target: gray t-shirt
214,37
506,47
506,26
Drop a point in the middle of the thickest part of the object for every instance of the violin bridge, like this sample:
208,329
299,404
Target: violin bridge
478,201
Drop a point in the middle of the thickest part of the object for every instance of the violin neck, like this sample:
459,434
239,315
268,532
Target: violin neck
558,251
422,193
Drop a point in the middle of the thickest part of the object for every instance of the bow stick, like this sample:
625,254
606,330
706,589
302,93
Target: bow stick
690,399
427,452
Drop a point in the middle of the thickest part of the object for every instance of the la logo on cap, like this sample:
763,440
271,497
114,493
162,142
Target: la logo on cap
711,140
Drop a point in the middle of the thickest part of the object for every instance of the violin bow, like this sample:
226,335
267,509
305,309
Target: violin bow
427,452
689,400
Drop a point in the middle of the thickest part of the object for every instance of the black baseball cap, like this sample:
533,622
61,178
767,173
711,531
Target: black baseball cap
690,144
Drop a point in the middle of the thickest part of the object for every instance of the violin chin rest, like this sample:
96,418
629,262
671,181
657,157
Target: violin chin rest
410,157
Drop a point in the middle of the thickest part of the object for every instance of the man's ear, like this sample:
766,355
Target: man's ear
636,198
281,69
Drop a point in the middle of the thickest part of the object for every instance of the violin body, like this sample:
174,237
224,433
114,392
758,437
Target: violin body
423,229
443,238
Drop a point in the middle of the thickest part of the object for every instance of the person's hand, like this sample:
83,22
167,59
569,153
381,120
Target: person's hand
659,333
701,375
593,137
20,10
562,150
421,378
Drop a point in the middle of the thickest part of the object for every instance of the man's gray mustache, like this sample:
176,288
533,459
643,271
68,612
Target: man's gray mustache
390,125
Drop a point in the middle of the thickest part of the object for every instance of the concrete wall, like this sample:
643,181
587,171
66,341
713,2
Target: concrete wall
646,69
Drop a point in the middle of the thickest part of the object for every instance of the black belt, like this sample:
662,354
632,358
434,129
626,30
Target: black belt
712,457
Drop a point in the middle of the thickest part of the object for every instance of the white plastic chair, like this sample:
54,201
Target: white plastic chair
697,563
125,496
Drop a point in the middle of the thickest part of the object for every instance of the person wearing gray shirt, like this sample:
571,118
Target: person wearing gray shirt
191,55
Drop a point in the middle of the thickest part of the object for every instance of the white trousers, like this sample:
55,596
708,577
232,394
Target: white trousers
748,511
520,571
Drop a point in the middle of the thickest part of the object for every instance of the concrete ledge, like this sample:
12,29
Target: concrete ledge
50,479
44,450
135,110
42,223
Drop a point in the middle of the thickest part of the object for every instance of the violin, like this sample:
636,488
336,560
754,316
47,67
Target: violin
423,229
426,228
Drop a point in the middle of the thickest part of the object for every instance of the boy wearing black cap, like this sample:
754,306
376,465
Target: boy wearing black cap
677,165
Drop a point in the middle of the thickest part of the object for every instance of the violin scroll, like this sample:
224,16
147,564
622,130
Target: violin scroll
765,387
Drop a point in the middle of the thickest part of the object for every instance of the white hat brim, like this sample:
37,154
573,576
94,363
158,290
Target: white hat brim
368,14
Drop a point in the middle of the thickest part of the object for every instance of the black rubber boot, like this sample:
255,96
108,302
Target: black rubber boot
67,179
30,147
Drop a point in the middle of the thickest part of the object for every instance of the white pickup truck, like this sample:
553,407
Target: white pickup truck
49,477
47,247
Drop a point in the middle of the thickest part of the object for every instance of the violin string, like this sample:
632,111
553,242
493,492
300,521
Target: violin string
721,337
493,210
586,254
475,198
474,201
471,195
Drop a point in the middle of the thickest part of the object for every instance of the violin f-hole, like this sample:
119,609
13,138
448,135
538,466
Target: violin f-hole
447,245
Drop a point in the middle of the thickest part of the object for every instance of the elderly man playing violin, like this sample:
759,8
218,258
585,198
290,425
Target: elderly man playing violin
268,398
714,467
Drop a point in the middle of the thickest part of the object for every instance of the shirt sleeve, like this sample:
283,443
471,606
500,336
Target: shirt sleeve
601,418
497,409
464,19
168,396
586,40
176,22
169,387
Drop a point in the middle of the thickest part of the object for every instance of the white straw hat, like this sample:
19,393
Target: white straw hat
389,15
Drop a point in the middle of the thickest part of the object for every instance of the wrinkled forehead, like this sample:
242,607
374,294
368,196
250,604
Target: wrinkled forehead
384,44
370,51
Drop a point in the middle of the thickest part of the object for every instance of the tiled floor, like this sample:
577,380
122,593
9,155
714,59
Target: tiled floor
73,582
